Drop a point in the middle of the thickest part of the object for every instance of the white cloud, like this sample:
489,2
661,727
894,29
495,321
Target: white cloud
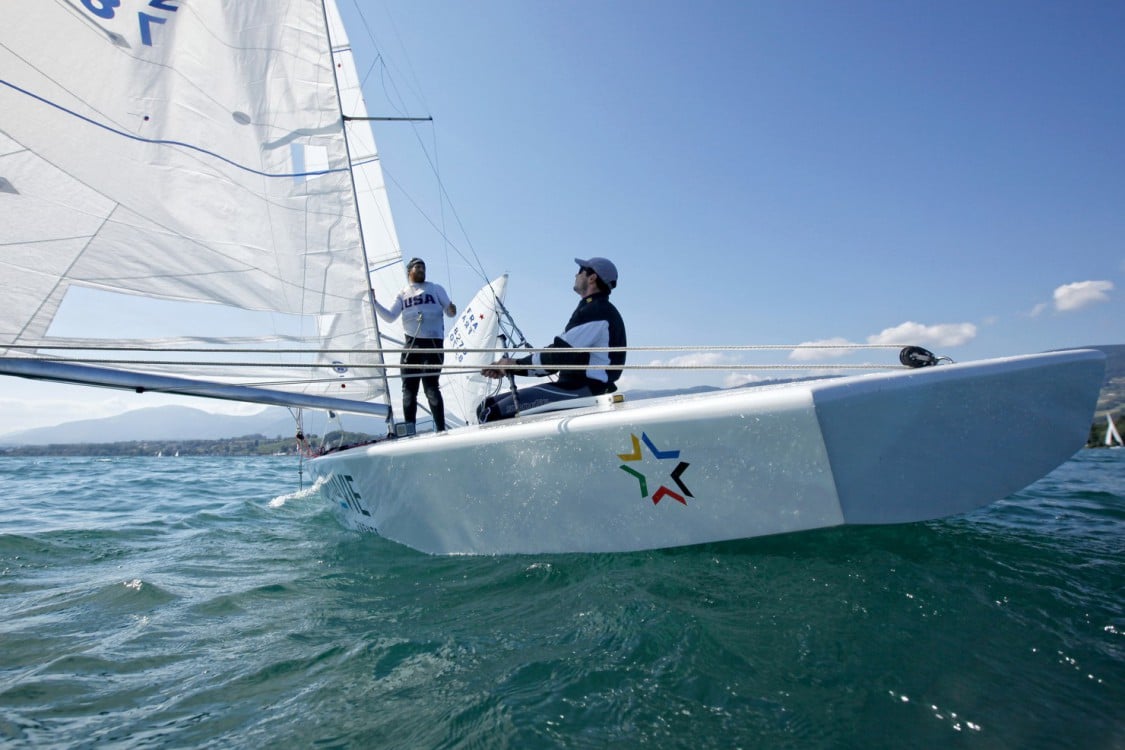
943,334
735,379
661,379
905,334
1081,294
700,359
826,349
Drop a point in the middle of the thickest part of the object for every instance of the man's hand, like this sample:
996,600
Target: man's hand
496,369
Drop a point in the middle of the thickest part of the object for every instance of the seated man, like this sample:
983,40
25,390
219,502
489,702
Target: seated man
595,323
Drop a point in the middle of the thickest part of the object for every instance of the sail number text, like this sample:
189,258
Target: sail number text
107,10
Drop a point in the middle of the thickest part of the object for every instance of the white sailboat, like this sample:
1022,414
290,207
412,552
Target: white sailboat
129,169
1112,436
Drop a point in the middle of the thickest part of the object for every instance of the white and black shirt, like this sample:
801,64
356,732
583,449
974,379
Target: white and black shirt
595,323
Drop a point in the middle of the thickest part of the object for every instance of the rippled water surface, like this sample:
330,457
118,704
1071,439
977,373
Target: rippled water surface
209,602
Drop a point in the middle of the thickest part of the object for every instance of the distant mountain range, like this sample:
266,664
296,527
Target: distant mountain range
179,423
186,423
162,423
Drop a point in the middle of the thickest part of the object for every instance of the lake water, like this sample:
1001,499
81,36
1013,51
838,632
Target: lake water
209,602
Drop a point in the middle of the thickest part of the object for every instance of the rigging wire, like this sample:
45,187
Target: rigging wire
380,370
366,372
396,100
495,350
168,364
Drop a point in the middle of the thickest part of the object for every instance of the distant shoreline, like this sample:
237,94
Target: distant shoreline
247,445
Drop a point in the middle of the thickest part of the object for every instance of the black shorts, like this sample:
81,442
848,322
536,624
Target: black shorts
423,352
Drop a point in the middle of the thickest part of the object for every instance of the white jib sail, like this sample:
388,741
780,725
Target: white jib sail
477,327
192,155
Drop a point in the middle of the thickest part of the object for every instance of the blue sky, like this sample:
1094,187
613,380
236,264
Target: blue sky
775,172
950,174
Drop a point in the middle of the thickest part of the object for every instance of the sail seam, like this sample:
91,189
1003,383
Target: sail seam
166,142
35,317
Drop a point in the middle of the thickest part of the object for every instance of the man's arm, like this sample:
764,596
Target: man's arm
593,334
447,305
391,313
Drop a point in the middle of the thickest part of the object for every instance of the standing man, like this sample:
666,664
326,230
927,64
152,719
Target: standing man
594,324
421,305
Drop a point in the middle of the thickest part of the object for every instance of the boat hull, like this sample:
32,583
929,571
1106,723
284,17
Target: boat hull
888,448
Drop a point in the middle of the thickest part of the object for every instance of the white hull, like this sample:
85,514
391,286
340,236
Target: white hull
889,448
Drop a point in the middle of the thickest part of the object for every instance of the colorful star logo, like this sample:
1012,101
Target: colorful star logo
660,455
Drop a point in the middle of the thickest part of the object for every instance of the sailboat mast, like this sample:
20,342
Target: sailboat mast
355,197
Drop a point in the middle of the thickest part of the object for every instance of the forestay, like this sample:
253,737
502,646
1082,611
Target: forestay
192,154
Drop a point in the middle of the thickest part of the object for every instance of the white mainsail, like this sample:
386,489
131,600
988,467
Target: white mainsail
384,256
193,154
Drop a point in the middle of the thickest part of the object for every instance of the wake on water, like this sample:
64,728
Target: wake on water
313,491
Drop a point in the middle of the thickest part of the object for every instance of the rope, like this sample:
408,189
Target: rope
454,370
446,371
381,368
522,350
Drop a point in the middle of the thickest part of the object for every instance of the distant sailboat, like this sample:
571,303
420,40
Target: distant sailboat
1112,436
